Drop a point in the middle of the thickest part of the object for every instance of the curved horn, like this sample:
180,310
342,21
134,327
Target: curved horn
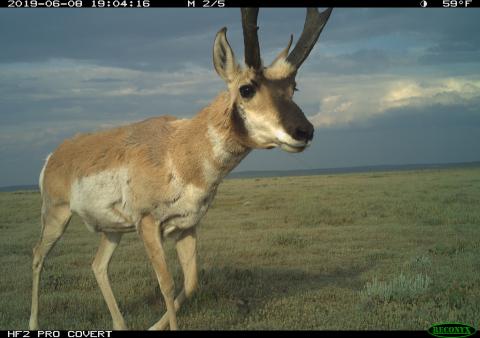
250,37
284,53
314,23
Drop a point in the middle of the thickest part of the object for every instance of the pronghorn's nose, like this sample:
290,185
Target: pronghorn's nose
304,133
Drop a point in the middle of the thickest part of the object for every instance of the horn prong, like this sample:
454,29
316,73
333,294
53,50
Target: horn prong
314,24
284,53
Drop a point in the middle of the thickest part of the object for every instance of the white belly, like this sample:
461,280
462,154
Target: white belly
103,201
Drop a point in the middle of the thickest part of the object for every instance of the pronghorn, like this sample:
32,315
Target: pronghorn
159,176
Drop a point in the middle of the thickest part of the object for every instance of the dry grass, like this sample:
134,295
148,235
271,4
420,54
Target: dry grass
397,250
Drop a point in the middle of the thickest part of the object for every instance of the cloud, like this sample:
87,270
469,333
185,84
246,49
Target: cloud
361,61
31,136
417,92
62,78
72,90
154,37
356,99
334,110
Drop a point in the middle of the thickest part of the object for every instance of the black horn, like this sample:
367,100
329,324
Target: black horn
314,23
250,37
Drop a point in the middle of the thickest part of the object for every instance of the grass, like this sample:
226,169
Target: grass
394,250
401,288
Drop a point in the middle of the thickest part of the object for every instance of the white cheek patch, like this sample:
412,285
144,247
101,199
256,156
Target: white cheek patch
269,133
260,128
283,137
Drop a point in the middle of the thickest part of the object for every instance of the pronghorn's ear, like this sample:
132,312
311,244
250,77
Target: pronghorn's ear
223,57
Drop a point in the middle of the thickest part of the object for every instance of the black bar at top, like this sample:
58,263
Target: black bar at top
342,3
421,4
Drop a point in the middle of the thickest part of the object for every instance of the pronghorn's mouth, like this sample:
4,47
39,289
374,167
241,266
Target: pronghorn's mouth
294,148
287,143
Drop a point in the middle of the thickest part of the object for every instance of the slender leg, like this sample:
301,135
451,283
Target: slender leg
187,254
108,244
150,233
54,221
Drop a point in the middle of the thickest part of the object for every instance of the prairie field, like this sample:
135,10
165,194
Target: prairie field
380,250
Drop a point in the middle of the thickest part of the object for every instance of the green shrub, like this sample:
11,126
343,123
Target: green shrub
401,288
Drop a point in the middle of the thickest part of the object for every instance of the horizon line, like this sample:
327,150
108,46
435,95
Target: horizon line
331,170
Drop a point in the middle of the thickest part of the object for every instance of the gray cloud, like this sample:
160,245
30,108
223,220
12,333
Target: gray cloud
149,37
363,61
437,116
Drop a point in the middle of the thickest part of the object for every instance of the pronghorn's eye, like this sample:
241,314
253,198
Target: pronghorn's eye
247,91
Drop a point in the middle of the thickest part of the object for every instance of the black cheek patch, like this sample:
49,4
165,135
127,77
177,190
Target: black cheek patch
238,123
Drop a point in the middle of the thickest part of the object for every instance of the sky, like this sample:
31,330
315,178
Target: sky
382,86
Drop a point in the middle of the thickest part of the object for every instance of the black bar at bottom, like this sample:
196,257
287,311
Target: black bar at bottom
276,334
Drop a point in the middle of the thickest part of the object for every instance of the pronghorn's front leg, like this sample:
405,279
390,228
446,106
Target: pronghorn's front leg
187,254
108,243
150,233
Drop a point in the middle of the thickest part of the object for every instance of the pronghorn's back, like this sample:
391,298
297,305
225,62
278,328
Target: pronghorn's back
88,154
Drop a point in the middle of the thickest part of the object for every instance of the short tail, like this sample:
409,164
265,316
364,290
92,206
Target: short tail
42,173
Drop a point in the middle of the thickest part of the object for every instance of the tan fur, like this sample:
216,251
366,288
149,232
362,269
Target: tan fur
280,69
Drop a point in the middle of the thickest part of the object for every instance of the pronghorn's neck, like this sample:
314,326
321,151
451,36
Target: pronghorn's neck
225,129
211,144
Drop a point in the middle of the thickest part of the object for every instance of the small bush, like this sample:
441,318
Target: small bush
400,288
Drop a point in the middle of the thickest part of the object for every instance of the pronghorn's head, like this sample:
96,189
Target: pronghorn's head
262,97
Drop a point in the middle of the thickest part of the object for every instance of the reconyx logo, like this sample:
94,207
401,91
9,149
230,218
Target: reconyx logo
451,330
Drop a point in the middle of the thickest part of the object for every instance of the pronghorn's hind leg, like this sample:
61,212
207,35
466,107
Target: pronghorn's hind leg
108,244
54,221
